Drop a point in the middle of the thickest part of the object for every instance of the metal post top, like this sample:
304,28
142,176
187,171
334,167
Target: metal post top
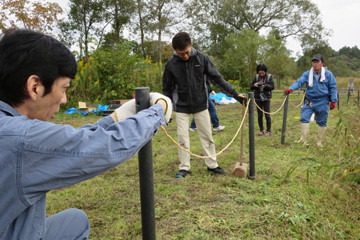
142,88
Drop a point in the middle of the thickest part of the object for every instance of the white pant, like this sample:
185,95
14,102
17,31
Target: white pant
204,130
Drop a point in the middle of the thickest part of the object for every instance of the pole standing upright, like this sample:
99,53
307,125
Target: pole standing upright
142,98
251,137
283,131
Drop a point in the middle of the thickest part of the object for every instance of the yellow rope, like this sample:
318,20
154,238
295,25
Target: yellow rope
212,156
272,112
300,102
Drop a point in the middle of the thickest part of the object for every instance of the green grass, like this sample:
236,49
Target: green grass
297,193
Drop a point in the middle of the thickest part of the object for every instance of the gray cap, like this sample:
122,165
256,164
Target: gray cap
318,57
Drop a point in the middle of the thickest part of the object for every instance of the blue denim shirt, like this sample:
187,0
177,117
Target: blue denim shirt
38,156
320,91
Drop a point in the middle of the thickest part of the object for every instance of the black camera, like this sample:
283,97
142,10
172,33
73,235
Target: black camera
261,88
260,83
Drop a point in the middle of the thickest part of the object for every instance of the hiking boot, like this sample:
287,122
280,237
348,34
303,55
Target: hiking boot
217,170
219,128
193,129
267,133
261,133
182,173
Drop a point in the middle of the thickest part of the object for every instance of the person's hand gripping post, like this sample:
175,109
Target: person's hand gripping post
129,108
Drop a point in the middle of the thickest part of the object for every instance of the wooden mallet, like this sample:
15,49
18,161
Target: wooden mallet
240,169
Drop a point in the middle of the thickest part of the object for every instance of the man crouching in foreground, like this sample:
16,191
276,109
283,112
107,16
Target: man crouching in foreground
38,156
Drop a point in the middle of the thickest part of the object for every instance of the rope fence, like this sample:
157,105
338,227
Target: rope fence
285,101
282,105
212,156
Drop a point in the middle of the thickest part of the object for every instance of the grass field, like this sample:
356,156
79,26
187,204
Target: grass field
297,193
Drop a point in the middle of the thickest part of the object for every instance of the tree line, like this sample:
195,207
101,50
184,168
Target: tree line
236,34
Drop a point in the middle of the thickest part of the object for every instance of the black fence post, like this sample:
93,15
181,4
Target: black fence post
251,136
142,98
338,97
283,131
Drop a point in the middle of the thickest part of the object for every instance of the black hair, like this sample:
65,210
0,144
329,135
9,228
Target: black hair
181,41
24,53
261,67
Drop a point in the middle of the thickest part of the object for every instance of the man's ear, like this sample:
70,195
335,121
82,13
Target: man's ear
34,87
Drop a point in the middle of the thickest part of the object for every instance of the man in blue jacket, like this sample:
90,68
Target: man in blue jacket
184,82
38,156
321,95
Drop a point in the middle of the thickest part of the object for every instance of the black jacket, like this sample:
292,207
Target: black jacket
184,82
268,85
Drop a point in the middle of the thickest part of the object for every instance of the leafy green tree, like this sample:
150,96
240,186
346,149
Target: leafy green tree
241,56
353,52
156,19
340,67
276,57
164,15
111,71
152,50
351,56
114,68
119,13
82,89
85,24
148,74
296,18
141,24
247,49
206,26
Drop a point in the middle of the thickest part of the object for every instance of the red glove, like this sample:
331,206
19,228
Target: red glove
288,91
332,105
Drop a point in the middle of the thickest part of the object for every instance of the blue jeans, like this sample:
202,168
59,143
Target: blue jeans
213,115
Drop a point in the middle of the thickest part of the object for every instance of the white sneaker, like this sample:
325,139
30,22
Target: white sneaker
193,129
219,128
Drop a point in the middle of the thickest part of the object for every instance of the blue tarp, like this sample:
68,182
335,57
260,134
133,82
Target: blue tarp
99,108
102,108
220,96
222,99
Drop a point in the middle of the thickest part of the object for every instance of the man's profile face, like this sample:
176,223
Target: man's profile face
46,106
185,53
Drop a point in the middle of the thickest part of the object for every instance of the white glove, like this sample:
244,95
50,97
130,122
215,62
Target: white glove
155,97
128,109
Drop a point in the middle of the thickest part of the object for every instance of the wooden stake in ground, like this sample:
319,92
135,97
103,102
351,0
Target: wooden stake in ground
240,169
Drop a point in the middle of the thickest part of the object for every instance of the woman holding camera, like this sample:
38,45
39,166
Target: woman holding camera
263,84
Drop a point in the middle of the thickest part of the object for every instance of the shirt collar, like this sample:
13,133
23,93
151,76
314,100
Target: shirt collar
6,109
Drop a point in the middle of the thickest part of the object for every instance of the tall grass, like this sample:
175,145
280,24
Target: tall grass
297,193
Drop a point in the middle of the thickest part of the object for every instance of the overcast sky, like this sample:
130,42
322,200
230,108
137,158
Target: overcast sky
340,16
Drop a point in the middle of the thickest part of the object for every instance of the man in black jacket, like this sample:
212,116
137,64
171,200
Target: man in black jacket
184,82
